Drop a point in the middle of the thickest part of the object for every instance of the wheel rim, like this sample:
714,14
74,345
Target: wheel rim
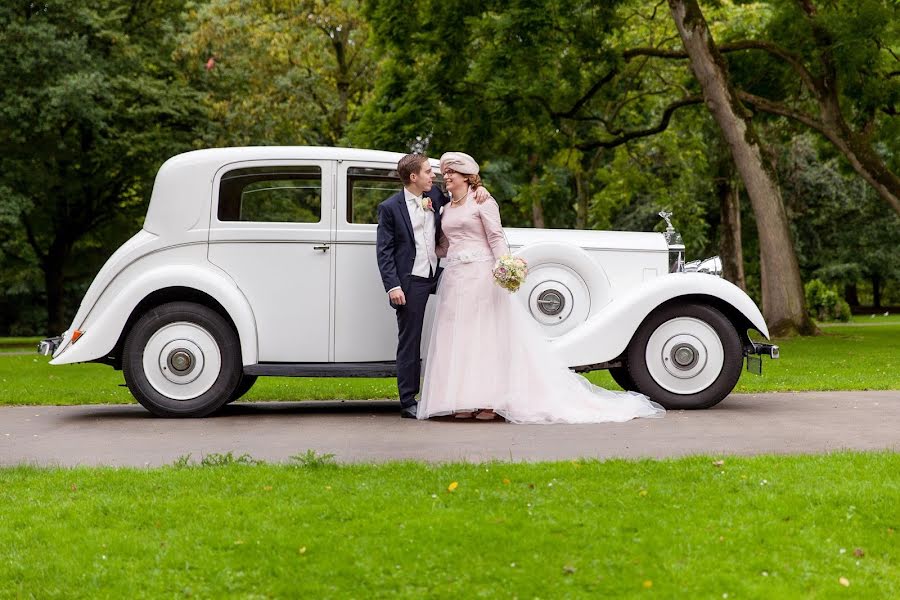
182,360
685,355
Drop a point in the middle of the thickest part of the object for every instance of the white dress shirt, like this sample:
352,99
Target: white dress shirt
422,221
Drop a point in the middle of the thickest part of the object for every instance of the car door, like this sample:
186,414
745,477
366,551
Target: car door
365,326
271,231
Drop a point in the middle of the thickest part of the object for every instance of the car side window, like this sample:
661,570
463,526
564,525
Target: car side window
282,194
367,188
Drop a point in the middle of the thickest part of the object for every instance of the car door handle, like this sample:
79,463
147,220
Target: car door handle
323,248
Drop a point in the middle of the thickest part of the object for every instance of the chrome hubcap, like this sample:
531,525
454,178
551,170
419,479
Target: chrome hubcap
181,361
551,302
684,356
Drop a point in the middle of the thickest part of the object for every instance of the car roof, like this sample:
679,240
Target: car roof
183,186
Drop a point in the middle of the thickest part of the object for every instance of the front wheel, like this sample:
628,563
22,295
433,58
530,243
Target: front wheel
621,376
686,356
182,359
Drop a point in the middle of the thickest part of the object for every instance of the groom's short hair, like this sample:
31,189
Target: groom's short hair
409,164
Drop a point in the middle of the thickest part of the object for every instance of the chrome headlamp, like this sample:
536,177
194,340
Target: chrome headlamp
711,265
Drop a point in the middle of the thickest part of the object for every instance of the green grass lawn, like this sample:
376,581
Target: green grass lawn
763,527
862,355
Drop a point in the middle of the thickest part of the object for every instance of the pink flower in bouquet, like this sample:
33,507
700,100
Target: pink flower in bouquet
510,272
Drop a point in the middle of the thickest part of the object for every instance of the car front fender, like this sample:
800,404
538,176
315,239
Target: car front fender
105,320
606,335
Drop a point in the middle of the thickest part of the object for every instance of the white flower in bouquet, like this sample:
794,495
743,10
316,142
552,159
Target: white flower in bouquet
510,271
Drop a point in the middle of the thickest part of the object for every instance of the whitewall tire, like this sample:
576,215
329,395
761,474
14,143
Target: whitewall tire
685,356
182,359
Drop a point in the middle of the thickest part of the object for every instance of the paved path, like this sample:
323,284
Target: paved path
372,431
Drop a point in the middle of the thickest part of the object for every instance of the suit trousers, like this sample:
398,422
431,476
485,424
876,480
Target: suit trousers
410,318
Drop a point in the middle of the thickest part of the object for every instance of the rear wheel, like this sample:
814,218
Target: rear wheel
242,388
686,356
182,359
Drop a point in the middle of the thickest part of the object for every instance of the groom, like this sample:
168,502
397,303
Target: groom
409,228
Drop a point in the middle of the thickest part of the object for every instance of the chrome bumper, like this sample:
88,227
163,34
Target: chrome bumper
48,346
769,350
754,350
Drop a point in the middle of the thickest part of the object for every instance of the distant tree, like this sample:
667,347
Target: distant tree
843,236
90,107
835,68
278,72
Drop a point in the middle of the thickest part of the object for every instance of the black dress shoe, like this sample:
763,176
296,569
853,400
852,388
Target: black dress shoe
409,412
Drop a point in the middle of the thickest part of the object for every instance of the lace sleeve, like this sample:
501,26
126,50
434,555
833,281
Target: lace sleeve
493,230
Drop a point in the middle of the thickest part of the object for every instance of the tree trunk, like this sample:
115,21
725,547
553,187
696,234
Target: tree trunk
851,294
730,249
54,284
537,207
783,304
876,291
582,195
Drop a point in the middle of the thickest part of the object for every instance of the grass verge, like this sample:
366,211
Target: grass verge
763,527
863,355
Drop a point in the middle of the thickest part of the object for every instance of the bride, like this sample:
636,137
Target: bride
486,356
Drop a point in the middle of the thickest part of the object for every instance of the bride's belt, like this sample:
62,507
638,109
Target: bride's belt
466,257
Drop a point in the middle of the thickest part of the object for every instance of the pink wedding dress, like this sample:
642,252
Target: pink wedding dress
485,350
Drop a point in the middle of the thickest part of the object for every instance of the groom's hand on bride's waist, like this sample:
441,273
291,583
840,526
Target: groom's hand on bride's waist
398,298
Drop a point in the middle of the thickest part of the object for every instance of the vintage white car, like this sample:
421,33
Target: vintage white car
261,261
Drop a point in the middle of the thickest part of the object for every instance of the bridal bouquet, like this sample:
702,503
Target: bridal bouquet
510,271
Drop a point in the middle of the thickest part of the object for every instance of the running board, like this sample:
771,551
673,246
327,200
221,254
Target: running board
360,369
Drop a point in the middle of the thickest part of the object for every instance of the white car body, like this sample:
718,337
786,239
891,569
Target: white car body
306,298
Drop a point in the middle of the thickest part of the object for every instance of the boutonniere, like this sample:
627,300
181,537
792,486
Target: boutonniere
426,204
441,210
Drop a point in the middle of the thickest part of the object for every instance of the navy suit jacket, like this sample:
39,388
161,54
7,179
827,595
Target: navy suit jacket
396,245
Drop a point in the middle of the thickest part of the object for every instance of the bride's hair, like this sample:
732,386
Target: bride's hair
473,180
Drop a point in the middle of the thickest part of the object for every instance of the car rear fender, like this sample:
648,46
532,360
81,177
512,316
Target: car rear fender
106,320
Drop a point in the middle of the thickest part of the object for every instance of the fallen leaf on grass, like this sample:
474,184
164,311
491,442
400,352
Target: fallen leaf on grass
452,487
718,463
642,493
568,569
302,550
648,584
859,553
506,482
844,581
267,488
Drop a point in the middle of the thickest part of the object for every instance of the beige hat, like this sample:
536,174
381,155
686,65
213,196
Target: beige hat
459,162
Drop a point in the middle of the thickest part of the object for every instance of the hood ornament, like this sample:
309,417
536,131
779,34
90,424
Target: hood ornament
672,236
667,217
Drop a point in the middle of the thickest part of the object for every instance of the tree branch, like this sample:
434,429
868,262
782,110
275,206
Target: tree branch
777,108
639,133
789,57
32,239
586,97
